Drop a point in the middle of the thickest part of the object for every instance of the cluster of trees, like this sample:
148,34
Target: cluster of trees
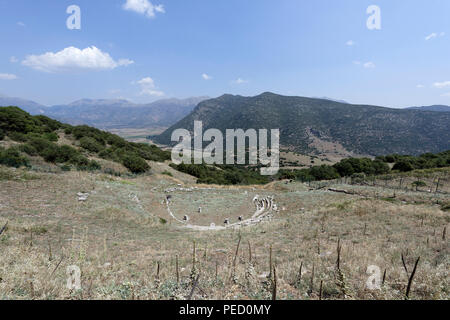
356,167
405,163
38,135
223,174
345,168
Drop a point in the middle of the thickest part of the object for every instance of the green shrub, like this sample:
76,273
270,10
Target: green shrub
2,135
135,164
56,154
91,165
358,177
403,166
13,119
222,174
68,130
40,144
12,158
116,141
66,168
167,173
50,136
50,154
418,184
91,144
94,165
79,160
28,149
17,136
67,153
80,132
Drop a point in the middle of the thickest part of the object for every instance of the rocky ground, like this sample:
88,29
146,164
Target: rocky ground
119,232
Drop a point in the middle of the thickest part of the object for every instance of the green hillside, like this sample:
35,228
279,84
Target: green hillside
38,136
362,129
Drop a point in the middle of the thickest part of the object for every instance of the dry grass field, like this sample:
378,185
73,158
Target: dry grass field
317,245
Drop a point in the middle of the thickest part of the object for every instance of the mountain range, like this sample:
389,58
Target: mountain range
308,124
110,113
437,108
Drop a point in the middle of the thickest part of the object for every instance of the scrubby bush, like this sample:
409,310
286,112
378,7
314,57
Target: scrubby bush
12,158
50,136
80,132
167,173
135,164
66,168
403,166
50,154
68,130
418,184
2,135
91,144
358,177
28,149
79,160
116,141
17,136
48,124
91,165
324,172
40,144
223,174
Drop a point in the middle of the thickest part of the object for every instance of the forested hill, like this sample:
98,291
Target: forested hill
304,122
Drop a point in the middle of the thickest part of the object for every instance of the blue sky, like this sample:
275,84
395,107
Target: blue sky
157,49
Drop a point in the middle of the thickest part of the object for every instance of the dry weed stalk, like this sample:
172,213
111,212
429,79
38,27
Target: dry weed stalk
177,272
411,278
3,228
234,278
320,290
250,270
274,284
311,284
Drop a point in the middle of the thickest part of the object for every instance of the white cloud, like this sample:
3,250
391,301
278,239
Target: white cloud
148,87
13,59
369,65
434,35
441,85
240,81
350,43
144,7
21,24
445,94
431,36
70,58
8,76
357,63
420,86
206,77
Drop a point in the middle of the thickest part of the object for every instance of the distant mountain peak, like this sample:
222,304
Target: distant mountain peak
102,102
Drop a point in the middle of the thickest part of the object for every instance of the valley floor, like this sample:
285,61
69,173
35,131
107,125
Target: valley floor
127,246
